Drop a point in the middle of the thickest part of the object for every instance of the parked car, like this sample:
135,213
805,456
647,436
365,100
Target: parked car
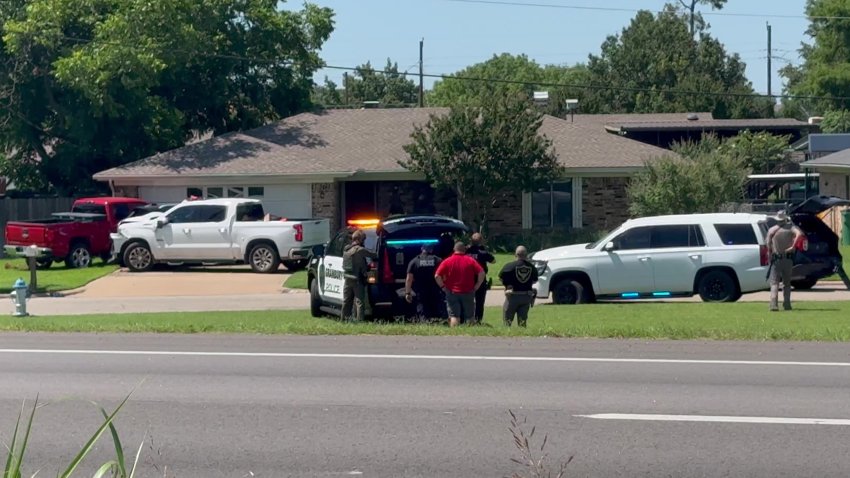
397,241
718,256
74,237
219,231
817,254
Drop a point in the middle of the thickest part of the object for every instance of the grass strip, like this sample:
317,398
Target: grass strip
812,321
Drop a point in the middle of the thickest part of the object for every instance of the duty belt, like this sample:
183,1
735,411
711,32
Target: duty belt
520,292
787,255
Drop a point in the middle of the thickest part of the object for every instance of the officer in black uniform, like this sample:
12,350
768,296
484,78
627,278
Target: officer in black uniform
420,281
478,251
518,277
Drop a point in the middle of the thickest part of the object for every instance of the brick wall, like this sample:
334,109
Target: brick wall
604,203
325,201
506,216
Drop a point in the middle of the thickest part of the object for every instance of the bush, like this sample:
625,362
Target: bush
539,239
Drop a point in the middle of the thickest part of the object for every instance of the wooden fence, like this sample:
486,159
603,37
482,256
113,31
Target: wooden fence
31,208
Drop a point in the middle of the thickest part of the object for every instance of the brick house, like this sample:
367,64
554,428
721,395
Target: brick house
345,163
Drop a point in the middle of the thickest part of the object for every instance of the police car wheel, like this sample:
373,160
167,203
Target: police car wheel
295,266
718,286
804,284
569,292
315,299
263,259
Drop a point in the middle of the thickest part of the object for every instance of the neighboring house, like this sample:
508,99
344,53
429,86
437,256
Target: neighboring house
830,157
344,164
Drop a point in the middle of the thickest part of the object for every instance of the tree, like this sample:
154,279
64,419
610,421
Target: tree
389,87
327,95
485,154
691,7
702,179
836,122
657,52
760,152
825,70
518,75
100,83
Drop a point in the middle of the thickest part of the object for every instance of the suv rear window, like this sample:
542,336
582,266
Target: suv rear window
736,234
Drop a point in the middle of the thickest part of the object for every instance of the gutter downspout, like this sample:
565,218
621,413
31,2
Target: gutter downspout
112,187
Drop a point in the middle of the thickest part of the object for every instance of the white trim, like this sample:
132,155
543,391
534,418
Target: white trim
578,194
526,210
221,180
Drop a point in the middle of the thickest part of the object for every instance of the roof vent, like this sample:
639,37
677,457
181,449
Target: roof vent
815,120
371,104
693,117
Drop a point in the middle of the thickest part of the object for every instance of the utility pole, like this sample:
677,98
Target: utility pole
421,75
345,87
769,62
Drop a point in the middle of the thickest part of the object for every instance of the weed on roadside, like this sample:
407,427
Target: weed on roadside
533,461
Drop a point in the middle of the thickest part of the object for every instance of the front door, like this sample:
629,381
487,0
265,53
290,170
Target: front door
198,232
628,268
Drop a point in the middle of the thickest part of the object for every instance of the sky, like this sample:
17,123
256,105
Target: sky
460,34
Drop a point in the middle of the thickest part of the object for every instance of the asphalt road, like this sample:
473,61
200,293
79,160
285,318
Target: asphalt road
236,406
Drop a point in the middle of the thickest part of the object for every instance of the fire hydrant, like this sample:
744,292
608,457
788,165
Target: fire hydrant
19,297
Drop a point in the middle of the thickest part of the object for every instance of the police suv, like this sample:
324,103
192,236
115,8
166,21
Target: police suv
397,240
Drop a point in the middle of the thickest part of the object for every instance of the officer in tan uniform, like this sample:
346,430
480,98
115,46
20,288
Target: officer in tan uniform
781,240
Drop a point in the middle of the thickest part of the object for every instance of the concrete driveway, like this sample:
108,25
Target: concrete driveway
183,282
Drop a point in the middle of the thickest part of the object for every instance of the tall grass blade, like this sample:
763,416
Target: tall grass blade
119,449
20,460
138,454
105,468
90,444
10,458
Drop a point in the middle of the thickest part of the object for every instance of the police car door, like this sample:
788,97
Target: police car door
330,274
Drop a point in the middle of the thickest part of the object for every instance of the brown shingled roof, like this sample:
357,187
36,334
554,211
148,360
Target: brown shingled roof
344,142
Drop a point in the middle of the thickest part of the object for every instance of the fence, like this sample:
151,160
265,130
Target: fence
30,208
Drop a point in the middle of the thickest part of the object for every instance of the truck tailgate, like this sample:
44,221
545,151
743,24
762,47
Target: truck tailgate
22,233
315,231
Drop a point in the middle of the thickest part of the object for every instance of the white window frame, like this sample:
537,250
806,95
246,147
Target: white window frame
225,190
577,196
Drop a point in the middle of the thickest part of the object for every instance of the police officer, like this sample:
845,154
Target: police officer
518,277
781,241
420,281
354,268
478,251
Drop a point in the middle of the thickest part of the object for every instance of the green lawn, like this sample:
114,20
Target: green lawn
298,280
57,278
825,321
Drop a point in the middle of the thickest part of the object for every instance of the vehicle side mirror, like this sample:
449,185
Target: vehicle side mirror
161,222
609,247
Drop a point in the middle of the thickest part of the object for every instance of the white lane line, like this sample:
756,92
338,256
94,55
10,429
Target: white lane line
718,419
417,357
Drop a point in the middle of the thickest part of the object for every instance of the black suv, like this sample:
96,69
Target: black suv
397,240
817,255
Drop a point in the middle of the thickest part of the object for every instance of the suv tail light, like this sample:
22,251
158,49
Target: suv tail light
387,271
299,232
764,258
372,273
802,244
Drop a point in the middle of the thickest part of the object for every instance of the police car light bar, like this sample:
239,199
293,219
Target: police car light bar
406,242
364,222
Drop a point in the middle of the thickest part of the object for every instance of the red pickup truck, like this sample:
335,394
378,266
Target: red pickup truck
74,237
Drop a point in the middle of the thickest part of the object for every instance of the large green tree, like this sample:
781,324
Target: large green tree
99,83
514,74
657,52
387,86
694,17
825,71
837,121
486,154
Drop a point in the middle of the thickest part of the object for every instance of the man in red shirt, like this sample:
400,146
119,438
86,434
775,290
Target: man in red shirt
460,276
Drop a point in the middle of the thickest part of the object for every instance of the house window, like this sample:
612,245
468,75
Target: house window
256,191
236,192
552,207
213,192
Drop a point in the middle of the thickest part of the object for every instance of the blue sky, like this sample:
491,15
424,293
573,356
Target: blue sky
459,34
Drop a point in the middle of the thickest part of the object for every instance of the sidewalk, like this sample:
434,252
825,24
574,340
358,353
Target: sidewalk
292,300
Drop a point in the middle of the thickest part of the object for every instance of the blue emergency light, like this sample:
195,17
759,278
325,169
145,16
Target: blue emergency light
630,295
408,242
661,294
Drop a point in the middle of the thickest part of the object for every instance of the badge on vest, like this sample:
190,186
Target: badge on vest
523,273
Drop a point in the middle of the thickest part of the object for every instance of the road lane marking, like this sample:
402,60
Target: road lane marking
499,358
717,419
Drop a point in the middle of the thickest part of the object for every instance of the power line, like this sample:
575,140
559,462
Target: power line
632,10
443,76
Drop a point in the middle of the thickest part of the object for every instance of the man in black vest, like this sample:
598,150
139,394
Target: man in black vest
420,281
478,251
518,277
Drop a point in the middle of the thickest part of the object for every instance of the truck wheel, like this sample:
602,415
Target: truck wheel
295,266
569,292
44,263
263,259
315,299
138,257
718,286
79,257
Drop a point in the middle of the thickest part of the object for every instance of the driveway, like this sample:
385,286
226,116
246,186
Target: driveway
183,282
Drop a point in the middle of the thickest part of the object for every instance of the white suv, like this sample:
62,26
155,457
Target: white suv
718,256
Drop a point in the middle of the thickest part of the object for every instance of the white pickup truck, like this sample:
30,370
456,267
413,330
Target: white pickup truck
218,231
